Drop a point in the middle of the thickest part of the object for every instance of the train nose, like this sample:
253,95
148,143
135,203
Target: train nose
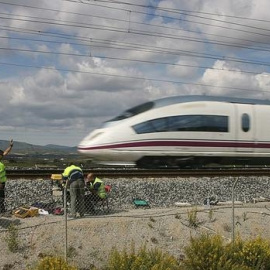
89,141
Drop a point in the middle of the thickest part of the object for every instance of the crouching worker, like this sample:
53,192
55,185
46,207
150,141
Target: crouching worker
97,189
73,175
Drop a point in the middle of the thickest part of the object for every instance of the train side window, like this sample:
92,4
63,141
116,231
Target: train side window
245,122
144,127
156,125
160,124
184,123
199,123
191,123
215,123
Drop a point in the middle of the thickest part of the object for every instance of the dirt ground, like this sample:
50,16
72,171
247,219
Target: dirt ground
90,239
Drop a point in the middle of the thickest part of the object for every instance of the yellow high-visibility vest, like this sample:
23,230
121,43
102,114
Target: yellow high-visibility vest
101,190
3,177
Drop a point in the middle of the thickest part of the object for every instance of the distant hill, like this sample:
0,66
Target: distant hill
21,148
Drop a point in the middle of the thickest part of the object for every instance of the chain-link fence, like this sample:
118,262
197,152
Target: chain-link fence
39,209
43,207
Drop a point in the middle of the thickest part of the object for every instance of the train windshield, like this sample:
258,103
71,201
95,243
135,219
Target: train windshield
134,111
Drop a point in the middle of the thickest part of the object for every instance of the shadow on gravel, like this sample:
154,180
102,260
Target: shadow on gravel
5,222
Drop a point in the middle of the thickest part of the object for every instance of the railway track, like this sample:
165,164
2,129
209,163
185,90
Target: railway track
132,172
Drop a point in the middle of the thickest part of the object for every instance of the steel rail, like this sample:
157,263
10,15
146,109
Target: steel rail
128,172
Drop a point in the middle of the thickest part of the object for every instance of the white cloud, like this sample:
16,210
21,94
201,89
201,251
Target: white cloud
184,69
241,84
100,61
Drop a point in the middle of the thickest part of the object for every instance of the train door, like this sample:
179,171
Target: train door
245,127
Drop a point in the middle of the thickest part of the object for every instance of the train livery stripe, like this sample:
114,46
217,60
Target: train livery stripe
223,144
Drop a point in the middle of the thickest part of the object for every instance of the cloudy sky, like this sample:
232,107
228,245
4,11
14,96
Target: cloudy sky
69,65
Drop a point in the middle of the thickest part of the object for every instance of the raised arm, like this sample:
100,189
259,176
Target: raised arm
9,148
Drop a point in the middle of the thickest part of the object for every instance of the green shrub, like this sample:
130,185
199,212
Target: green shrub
144,259
55,263
254,253
193,218
204,252
211,253
12,238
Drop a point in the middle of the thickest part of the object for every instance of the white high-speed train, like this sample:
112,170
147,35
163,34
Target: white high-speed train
185,131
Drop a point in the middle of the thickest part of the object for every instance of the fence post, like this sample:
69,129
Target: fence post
65,214
233,187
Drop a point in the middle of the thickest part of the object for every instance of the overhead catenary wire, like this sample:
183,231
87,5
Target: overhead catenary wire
134,60
183,12
138,78
161,26
127,46
136,32
165,36
215,44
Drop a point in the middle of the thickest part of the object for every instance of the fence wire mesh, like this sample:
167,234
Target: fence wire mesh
43,221
46,207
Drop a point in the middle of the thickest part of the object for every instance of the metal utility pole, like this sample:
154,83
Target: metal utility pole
65,213
233,187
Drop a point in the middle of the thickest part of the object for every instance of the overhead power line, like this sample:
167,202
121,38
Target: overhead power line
134,47
89,42
134,77
174,10
130,31
154,15
132,60
184,12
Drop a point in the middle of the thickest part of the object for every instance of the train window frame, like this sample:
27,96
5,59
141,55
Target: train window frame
185,123
245,122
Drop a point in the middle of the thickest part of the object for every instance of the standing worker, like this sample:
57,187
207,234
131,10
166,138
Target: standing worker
3,177
73,175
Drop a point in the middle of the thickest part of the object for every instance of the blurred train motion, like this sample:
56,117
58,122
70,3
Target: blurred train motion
184,131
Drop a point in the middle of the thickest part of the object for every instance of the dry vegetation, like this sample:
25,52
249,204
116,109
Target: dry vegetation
91,239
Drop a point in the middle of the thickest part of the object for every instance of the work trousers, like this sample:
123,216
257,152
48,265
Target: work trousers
2,198
77,197
90,202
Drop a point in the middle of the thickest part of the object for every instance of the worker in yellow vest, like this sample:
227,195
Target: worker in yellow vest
74,177
96,186
97,192
3,177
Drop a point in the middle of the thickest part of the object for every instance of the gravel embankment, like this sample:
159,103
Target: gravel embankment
160,192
